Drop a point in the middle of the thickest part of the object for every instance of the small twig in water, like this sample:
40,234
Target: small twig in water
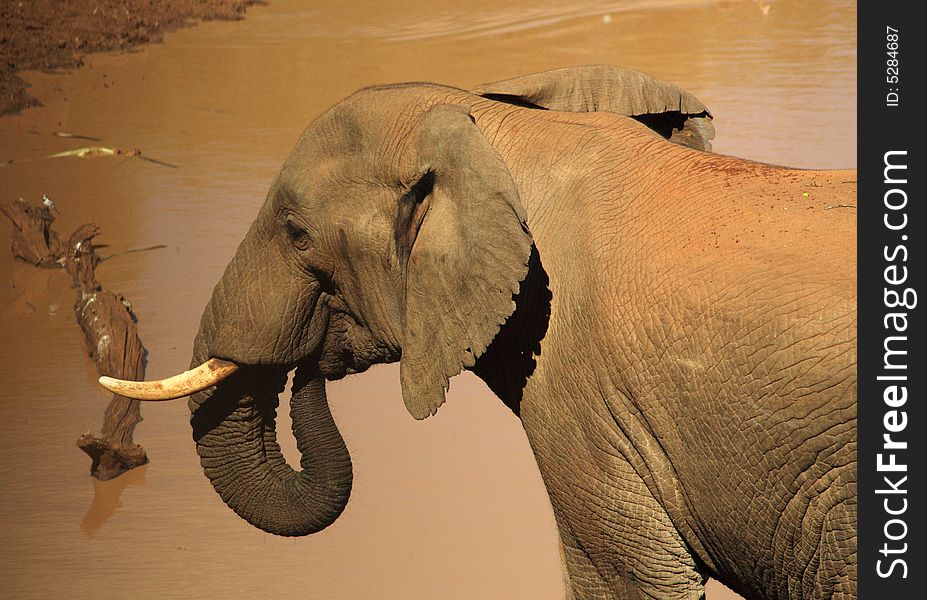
156,161
133,250
92,151
75,136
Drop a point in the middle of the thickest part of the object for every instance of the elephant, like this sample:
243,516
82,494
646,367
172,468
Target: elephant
674,328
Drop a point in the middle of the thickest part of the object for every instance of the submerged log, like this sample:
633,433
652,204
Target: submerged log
34,241
110,331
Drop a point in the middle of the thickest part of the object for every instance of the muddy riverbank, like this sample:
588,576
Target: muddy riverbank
55,35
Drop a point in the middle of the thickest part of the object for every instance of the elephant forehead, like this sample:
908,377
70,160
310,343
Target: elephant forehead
318,170
366,142
335,180
329,198
331,135
373,121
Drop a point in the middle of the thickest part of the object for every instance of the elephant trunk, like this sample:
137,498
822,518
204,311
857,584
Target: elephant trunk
235,434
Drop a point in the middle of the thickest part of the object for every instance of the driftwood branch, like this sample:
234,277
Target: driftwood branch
111,332
109,326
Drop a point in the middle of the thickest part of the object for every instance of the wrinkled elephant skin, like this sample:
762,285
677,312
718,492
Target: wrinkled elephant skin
674,328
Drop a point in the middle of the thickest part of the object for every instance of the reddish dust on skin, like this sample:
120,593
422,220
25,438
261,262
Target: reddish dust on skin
450,507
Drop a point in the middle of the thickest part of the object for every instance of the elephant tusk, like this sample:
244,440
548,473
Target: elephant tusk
189,382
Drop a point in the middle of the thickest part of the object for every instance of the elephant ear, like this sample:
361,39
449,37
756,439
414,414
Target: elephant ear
464,246
672,112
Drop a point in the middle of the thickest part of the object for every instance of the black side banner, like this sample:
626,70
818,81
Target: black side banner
892,368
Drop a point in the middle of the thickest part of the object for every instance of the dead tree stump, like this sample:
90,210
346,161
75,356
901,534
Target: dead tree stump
34,241
109,326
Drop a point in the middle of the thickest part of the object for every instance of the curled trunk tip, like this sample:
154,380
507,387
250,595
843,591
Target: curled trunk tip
235,432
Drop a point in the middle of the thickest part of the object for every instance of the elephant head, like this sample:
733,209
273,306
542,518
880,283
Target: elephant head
394,231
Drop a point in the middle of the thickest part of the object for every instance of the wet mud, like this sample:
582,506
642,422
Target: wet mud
54,35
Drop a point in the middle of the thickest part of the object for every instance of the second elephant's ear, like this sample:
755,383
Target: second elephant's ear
670,111
464,246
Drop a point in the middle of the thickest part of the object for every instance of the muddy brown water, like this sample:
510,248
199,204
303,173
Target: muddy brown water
452,507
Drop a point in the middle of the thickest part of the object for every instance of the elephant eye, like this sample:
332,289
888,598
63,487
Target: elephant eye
298,236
